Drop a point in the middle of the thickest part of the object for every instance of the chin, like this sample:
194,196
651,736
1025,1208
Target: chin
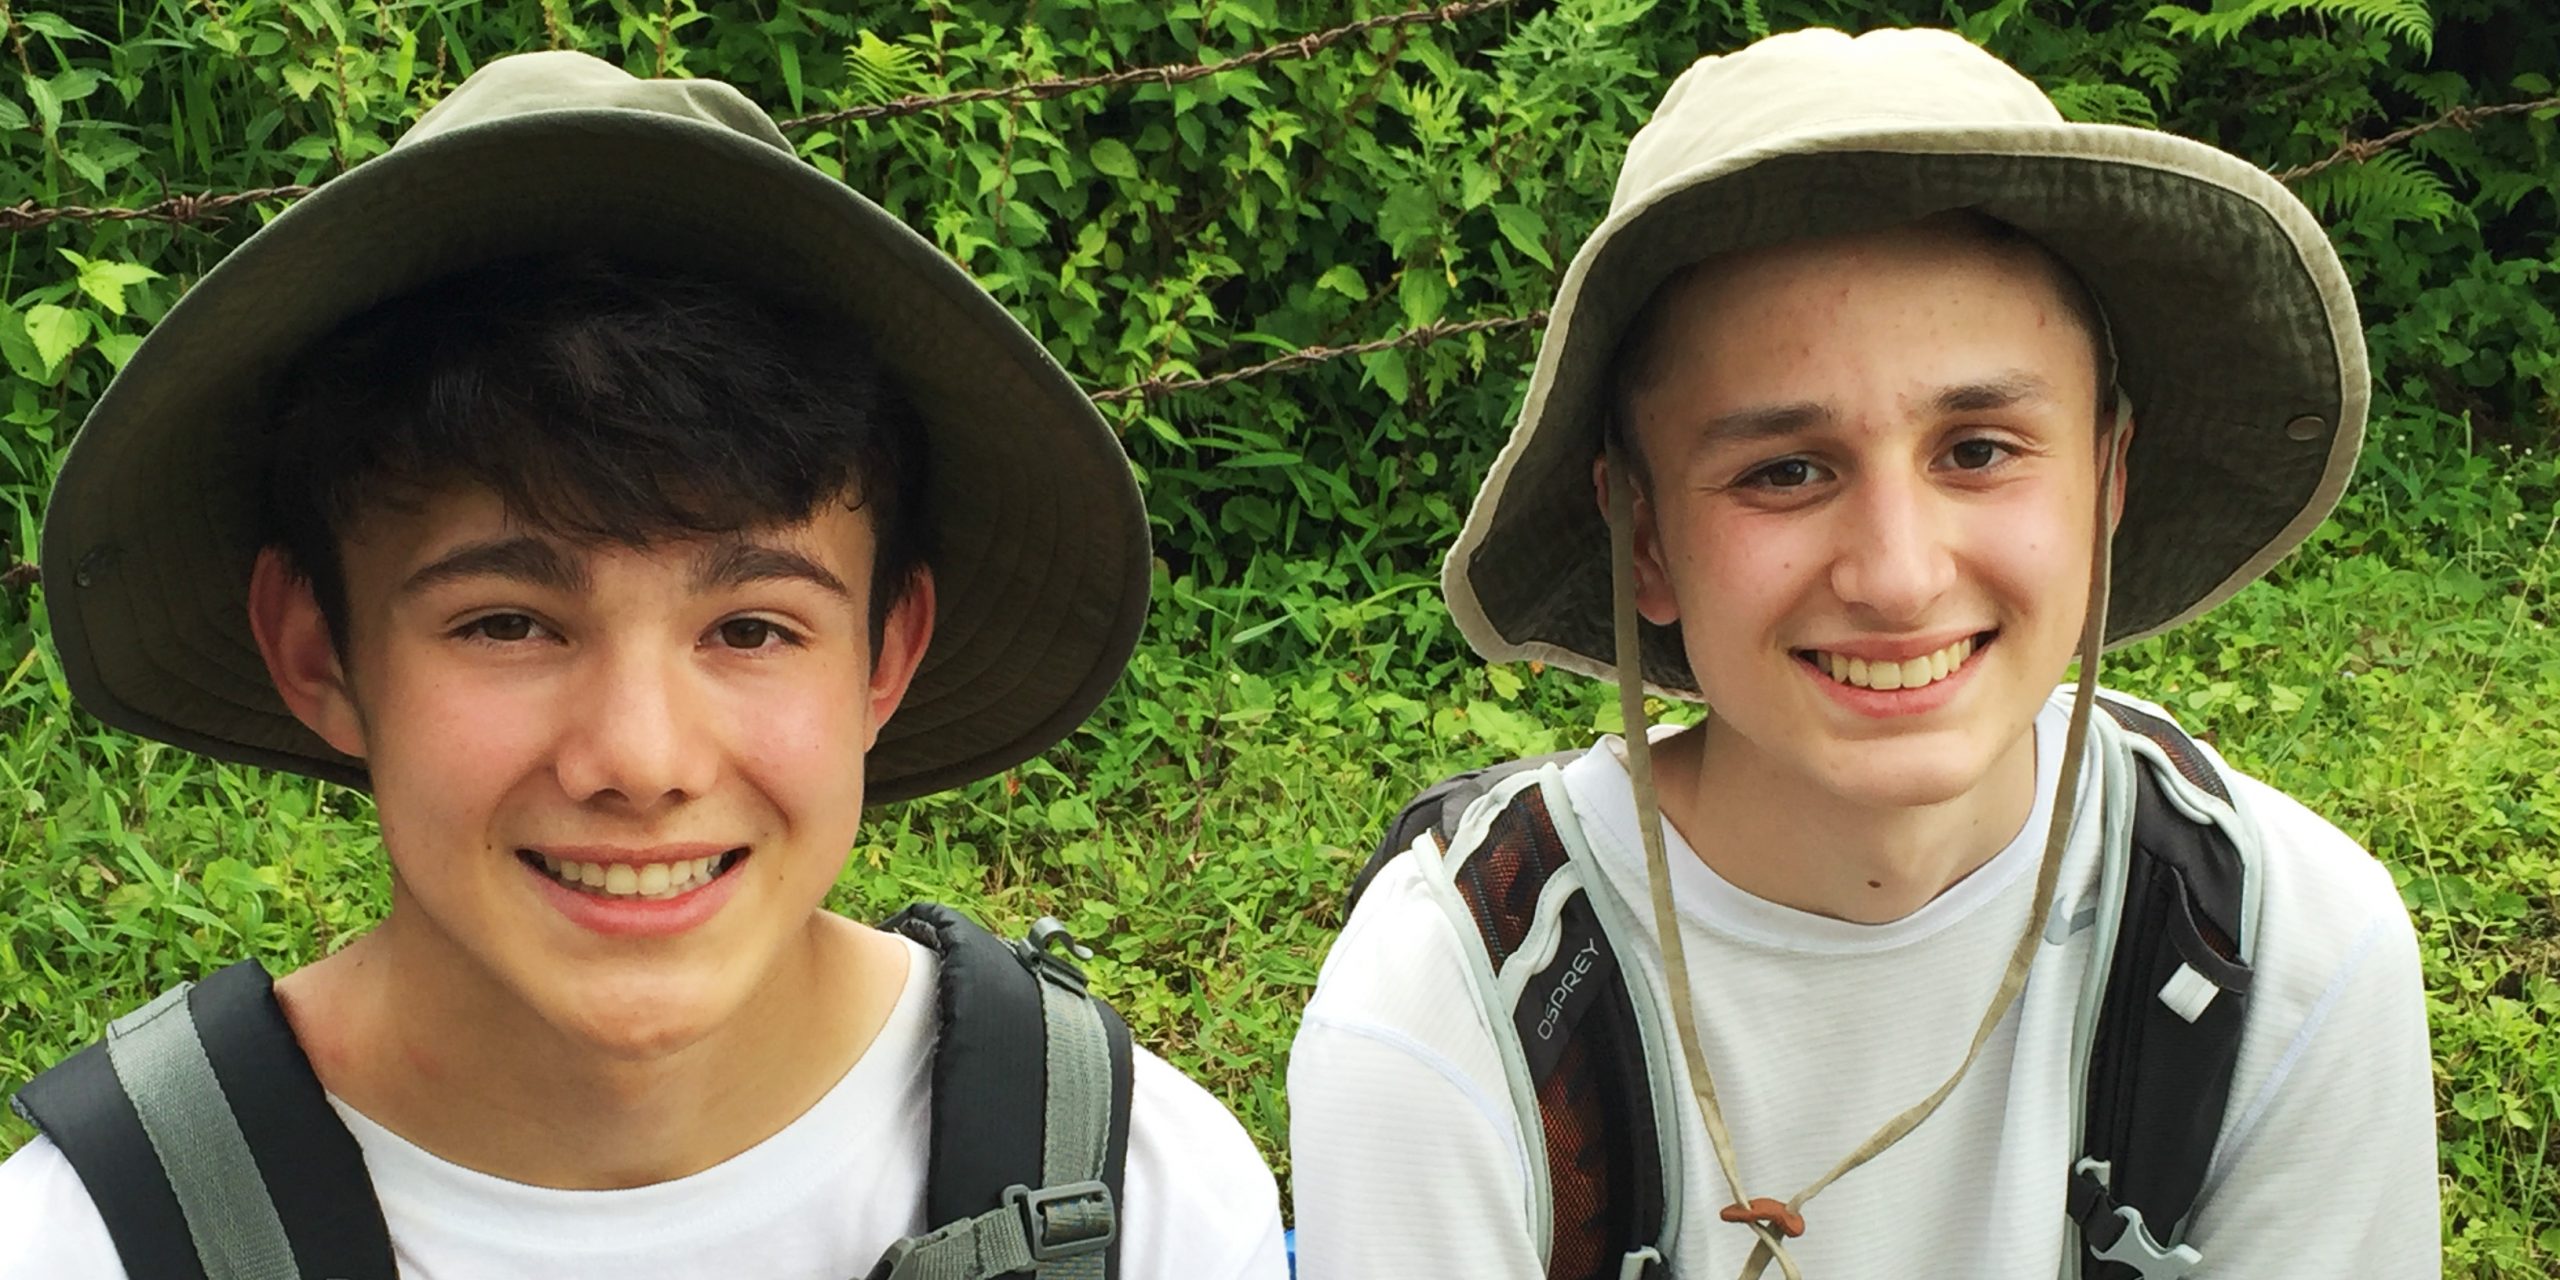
638,1021
1905,779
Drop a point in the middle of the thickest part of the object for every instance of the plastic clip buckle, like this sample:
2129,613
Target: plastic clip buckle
1047,948
1033,1207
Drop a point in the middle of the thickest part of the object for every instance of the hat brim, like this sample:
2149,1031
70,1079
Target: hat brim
2232,319
1042,562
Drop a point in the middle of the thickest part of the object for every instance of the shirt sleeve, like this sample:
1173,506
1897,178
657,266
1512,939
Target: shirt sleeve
2327,1162
49,1228
1406,1152
1202,1202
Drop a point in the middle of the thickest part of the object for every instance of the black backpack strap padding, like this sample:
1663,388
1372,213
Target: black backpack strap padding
1582,1045
1436,809
2184,755
79,1105
314,1171
990,1075
2158,1081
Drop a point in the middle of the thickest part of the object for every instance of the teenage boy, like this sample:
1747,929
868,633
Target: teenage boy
1840,401
624,503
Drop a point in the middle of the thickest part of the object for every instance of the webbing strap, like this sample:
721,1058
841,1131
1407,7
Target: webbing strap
1079,1118
160,1061
991,1244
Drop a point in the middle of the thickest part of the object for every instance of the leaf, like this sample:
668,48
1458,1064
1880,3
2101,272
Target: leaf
57,332
1526,231
1111,156
107,280
1344,279
1386,368
1070,813
1423,293
1408,215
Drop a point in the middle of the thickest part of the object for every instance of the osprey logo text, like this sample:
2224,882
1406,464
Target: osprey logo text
1573,976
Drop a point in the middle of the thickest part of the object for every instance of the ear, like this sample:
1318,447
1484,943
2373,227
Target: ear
904,634
1654,600
293,638
2123,449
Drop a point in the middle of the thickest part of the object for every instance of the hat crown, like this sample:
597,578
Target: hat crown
563,80
1771,96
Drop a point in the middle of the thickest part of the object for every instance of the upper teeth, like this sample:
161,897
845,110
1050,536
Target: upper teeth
634,880
1908,674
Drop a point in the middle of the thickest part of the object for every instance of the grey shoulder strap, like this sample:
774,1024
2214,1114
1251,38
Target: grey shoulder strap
1062,1229
160,1061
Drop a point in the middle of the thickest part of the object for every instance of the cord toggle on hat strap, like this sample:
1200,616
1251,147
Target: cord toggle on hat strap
1773,1222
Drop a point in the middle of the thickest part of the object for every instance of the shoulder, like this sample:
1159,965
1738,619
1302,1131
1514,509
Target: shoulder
2336,958
1202,1200
2325,899
49,1228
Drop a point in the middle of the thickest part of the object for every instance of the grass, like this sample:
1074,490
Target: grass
2402,676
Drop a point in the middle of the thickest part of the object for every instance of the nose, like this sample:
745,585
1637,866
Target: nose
1894,559
636,737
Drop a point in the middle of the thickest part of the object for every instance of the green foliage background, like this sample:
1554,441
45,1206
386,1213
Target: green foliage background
1300,676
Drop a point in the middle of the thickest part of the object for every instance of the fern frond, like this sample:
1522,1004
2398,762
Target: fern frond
2152,64
880,70
2391,187
2101,103
2409,21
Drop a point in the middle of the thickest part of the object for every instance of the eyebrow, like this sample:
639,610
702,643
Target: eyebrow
1762,422
733,563
521,558
2000,391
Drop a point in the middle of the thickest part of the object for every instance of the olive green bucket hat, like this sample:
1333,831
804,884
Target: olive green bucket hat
2235,333
1041,573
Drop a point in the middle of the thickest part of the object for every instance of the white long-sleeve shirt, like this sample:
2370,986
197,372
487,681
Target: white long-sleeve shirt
1410,1162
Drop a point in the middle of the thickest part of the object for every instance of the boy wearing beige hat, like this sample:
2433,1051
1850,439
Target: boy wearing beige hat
1880,395
622,502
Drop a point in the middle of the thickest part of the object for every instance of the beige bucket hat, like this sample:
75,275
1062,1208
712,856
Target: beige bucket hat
2233,324
1042,571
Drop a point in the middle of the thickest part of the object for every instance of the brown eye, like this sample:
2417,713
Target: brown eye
747,633
1974,455
504,627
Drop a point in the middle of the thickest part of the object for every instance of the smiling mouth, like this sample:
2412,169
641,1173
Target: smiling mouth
634,881
1913,673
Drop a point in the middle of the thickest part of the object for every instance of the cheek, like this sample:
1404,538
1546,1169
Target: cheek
803,736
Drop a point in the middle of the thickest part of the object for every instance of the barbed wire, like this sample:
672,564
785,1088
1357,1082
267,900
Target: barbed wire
1306,46
193,207
2462,117
177,210
1437,331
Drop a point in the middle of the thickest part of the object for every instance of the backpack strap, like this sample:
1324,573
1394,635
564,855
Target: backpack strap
1030,1128
2170,1016
1580,1054
1436,809
203,1137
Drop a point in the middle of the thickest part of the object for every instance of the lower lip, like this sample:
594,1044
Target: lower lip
1887,704
638,917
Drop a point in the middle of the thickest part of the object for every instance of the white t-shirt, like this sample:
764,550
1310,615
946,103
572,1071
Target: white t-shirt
1410,1161
822,1199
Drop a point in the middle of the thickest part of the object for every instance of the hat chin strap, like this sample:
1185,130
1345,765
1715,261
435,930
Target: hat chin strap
1774,1222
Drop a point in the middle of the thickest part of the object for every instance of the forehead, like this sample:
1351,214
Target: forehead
1946,289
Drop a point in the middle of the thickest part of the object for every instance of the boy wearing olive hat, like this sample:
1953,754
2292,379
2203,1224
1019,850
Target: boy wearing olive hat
1835,430
624,503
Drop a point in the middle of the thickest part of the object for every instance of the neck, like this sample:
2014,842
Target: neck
438,1052
1783,839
